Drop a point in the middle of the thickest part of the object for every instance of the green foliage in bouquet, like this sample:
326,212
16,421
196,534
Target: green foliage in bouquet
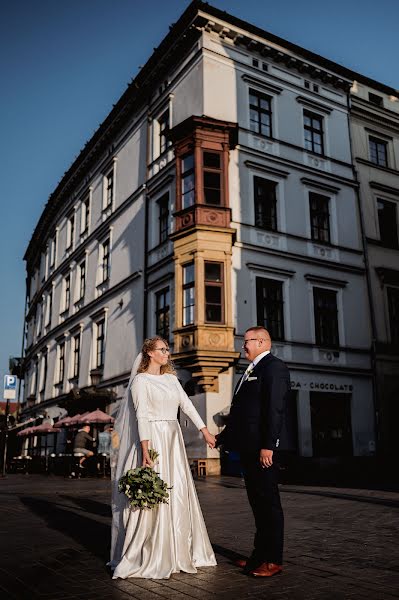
143,487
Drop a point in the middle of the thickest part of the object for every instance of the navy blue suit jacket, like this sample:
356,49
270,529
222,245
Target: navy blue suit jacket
258,408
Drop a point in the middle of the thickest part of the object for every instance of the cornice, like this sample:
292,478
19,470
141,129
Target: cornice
262,83
335,266
384,188
369,163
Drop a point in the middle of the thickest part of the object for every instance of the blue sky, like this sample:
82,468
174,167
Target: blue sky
64,63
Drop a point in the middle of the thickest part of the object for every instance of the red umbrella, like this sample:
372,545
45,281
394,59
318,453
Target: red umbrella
44,428
27,431
63,422
77,419
97,416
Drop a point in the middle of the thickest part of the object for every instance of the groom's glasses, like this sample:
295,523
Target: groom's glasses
251,340
163,350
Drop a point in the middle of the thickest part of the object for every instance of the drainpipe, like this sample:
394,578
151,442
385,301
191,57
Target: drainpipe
373,349
22,351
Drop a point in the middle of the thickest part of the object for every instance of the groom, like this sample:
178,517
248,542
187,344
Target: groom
254,426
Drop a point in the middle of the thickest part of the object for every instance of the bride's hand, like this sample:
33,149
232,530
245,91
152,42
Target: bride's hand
147,462
209,438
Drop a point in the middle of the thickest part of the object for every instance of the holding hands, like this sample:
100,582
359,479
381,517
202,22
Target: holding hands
209,438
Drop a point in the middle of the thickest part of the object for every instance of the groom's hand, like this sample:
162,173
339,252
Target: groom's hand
266,458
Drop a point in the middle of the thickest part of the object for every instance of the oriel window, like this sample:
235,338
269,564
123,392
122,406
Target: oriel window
260,113
188,294
212,178
270,306
319,217
326,317
214,292
265,204
187,180
313,132
162,313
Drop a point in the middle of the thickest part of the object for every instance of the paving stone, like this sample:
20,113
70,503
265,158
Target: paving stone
341,544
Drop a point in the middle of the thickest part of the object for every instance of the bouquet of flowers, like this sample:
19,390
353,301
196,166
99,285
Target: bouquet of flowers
143,487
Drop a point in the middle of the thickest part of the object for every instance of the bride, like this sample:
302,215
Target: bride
171,537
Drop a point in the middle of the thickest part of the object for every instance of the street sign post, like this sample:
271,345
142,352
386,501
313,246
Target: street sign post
10,391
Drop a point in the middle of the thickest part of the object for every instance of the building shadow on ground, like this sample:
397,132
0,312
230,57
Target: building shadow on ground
91,534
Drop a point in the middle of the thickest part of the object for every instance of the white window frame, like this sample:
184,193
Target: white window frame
96,318
70,232
108,209
332,208
100,282
338,290
87,198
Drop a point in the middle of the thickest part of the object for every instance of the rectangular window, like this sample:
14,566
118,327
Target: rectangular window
378,152
163,207
376,99
39,320
82,279
162,313
270,306
188,294
100,343
212,178
70,232
85,221
260,113
388,224
44,372
61,362
214,292
187,180
105,249
265,204
319,217
76,355
164,124
49,308
326,317
313,125
67,292
393,306
53,250
109,190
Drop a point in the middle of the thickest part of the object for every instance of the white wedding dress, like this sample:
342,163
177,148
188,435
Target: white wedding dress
171,537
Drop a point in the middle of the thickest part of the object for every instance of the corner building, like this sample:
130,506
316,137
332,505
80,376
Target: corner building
219,193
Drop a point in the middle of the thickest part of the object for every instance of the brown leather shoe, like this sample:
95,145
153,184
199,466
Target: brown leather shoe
241,562
267,570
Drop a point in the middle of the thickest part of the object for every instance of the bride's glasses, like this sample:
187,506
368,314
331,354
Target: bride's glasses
163,350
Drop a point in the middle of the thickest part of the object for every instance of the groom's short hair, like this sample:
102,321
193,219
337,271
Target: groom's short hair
259,329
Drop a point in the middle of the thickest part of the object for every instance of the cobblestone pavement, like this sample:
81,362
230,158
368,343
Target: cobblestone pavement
340,544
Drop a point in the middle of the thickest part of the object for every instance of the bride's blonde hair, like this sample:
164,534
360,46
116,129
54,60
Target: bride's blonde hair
149,346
